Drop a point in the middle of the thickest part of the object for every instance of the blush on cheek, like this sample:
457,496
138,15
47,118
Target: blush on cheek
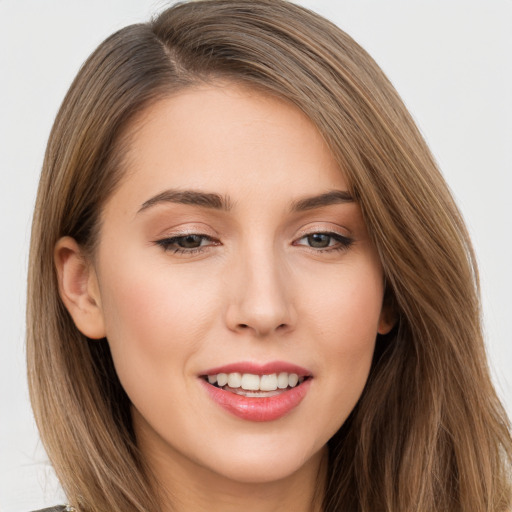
348,335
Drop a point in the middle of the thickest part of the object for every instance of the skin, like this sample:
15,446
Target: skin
256,291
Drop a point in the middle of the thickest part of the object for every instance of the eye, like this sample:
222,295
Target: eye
186,244
323,242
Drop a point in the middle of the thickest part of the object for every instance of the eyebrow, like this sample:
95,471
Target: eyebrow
192,197
218,202
327,199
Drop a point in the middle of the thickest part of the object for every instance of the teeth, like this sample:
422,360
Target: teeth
268,382
222,379
251,382
282,380
293,378
234,380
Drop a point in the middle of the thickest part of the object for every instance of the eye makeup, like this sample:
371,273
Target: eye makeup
191,243
194,243
326,241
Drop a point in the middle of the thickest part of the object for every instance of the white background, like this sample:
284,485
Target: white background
449,59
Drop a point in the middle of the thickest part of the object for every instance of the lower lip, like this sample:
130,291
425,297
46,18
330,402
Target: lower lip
262,408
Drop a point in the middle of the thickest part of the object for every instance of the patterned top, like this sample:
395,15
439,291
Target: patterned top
59,508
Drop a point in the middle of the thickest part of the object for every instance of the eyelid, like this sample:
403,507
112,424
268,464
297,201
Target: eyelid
342,241
324,228
169,243
187,228
179,236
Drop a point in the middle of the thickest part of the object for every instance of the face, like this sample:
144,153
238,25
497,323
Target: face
232,250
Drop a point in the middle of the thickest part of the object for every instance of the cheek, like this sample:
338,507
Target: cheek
151,318
347,306
346,315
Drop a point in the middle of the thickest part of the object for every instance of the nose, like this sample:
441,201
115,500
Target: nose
260,303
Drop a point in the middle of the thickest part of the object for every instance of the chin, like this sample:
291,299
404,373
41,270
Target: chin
268,464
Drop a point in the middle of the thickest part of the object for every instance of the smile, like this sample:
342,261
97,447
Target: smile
259,394
256,386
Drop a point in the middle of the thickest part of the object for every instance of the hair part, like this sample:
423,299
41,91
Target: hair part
429,432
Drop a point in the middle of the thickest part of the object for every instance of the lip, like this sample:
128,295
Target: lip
258,409
259,369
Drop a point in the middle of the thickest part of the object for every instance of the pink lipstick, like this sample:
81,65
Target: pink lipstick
257,392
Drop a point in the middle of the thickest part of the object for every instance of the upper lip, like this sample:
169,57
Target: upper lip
259,368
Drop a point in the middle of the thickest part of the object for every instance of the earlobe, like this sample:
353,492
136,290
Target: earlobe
388,316
78,288
385,323
388,313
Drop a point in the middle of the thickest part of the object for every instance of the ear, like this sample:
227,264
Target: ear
388,315
78,288
386,321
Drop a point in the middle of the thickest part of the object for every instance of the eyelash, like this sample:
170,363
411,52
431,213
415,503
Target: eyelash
168,244
343,242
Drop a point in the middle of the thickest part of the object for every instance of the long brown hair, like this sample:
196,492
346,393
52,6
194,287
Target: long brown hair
429,433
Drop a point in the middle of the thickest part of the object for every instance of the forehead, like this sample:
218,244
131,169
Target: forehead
229,139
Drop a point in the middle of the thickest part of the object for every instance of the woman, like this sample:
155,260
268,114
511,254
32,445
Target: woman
249,286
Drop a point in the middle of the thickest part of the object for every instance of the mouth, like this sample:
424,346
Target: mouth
255,392
252,385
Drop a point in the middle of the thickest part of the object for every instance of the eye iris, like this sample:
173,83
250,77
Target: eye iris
190,241
319,240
